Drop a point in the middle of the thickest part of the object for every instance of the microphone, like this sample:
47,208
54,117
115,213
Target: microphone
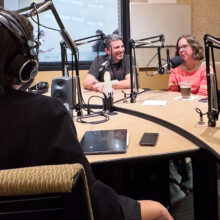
39,10
105,64
174,62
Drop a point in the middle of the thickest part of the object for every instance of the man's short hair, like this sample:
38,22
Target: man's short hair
110,38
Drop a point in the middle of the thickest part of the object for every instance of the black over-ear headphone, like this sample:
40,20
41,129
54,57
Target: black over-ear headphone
40,88
24,62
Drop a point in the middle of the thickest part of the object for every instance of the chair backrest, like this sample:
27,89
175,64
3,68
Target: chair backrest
45,192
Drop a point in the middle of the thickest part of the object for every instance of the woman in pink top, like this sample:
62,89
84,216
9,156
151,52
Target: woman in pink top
192,69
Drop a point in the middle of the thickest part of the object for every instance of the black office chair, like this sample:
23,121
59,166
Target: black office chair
45,192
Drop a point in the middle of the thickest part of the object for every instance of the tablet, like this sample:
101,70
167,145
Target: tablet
105,141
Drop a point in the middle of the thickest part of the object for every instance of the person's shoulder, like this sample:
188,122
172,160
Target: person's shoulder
39,100
179,68
48,107
126,59
101,57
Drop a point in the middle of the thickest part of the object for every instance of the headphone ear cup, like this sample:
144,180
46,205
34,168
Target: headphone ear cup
25,67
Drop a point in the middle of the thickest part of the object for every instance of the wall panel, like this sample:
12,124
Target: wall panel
206,20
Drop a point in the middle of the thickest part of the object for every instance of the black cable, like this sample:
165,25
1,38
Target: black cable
53,29
200,112
94,114
149,63
200,115
81,118
38,28
88,109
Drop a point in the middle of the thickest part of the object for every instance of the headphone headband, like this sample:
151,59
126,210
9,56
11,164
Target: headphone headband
13,26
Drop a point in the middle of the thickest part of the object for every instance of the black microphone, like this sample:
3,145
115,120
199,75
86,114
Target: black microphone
174,62
105,64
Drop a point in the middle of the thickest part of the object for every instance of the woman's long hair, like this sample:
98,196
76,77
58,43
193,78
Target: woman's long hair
9,46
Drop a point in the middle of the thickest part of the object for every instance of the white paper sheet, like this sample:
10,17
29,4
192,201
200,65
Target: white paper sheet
162,1
155,102
192,97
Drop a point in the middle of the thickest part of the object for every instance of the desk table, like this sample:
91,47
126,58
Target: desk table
179,135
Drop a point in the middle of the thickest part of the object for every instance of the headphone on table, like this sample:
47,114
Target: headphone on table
39,88
24,62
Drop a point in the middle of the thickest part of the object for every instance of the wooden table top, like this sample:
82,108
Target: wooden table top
179,112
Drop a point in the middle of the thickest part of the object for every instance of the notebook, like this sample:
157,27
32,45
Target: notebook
105,141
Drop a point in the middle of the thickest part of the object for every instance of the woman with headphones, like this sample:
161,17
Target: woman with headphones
38,130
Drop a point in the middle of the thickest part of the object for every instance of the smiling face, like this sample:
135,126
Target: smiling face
116,50
185,50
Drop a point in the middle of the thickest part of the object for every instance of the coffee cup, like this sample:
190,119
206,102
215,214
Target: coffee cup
185,89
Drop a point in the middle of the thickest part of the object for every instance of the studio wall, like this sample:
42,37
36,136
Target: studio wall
205,18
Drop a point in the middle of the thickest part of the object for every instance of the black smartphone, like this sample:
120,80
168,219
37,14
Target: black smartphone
149,139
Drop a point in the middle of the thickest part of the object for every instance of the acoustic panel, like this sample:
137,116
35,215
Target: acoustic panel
148,20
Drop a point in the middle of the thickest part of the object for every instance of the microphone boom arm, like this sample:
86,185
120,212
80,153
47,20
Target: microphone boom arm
98,37
132,94
141,43
64,59
29,8
69,42
138,44
212,87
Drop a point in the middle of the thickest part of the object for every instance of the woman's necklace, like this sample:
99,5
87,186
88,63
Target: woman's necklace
192,69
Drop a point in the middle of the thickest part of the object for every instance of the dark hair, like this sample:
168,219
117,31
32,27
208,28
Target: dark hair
11,46
196,47
98,31
110,38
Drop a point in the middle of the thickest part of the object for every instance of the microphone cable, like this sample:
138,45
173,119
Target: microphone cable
38,27
50,28
81,119
200,115
147,66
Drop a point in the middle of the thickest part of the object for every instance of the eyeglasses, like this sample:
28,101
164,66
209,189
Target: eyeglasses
183,47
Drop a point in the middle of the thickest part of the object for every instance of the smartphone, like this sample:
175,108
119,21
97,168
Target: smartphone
149,139
203,99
